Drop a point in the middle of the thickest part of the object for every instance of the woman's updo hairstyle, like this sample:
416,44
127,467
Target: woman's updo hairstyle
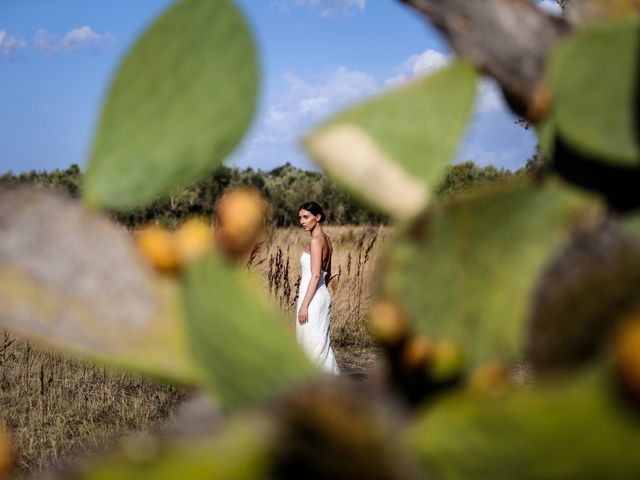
314,208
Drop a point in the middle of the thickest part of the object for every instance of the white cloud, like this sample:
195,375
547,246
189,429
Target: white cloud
416,65
79,38
489,97
425,62
10,45
311,106
300,103
325,7
296,105
550,6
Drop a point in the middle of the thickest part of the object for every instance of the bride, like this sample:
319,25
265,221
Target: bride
313,310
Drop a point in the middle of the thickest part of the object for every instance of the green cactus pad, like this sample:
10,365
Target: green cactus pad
465,270
574,431
72,280
594,77
393,150
243,345
239,450
177,106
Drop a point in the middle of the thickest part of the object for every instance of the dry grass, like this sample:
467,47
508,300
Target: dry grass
56,408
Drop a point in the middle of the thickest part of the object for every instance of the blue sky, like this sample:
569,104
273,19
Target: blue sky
317,56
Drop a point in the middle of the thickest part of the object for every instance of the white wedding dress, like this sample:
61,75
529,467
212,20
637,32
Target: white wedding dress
313,335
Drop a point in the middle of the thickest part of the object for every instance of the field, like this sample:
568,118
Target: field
57,408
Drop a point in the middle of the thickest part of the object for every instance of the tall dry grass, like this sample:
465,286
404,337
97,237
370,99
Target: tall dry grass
55,408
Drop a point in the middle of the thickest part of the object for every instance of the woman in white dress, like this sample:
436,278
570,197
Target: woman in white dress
313,310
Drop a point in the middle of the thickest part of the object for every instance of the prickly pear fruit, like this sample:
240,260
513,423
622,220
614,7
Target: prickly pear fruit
158,247
240,213
626,353
193,238
387,323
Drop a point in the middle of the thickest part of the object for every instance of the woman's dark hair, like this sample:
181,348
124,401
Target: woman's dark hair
314,208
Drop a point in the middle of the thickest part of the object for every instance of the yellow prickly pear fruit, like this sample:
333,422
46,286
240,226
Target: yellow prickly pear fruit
448,361
387,322
240,213
626,352
417,352
157,244
192,239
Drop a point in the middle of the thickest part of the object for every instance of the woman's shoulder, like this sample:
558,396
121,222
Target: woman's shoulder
316,241
319,242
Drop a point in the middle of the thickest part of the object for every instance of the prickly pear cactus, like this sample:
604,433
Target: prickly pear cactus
536,275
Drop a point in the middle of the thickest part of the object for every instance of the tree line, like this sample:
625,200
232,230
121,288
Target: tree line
285,187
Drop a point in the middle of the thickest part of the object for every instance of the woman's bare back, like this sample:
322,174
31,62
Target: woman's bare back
327,252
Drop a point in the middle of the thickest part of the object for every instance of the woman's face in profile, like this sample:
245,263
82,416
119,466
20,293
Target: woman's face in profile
307,219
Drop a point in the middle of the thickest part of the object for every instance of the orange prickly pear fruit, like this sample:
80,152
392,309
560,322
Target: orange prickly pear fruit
158,246
192,239
626,358
540,104
240,213
387,322
417,352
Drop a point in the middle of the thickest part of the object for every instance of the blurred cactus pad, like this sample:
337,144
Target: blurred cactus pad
502,308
